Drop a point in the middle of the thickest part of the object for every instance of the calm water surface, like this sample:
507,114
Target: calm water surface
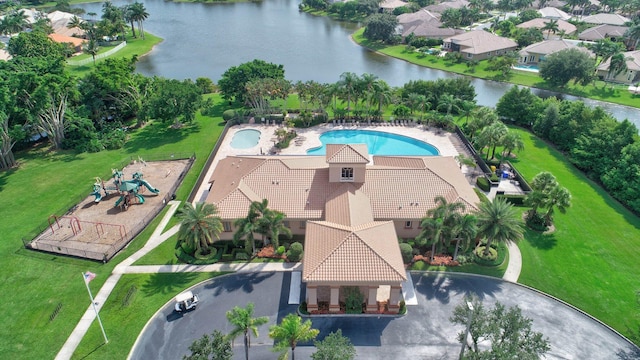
207,39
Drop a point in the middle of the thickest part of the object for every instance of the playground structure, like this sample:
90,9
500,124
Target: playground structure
130,190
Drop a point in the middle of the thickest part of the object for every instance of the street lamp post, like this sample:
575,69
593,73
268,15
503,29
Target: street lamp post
466,333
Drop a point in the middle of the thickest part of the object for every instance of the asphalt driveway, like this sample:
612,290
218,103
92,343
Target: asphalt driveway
424,333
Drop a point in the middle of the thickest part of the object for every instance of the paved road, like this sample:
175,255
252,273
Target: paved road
425,333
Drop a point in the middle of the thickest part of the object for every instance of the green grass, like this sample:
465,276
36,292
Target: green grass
591,261
135,46
162,254
599,90
45,183
134,300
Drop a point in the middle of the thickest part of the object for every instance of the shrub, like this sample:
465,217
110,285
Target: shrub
420,265
353,300
303,308
481,195
407,253
241,255
492,256
295,252
201,255
403,308
535,221
280,250
494,178
205,85
500,251
229,115
483,184
516,200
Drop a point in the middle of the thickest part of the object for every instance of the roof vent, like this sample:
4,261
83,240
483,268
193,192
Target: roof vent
399,207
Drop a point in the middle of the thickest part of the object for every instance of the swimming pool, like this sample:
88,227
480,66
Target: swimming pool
378,143
245,139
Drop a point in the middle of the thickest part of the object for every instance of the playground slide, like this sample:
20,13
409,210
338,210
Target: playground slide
98,196
140,198
119,201
148,186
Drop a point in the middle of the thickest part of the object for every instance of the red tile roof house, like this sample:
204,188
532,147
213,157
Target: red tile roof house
479,45
351,209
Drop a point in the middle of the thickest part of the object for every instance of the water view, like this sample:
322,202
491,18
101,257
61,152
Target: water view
207,39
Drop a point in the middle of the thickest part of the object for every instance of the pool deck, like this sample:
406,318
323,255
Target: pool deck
309,138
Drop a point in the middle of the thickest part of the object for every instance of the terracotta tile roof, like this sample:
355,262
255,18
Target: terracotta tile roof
480,42
347,154
66,39
346,255
540,23
397,187
602,32
348,206
611,19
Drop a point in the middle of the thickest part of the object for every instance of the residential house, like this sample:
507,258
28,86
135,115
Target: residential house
536,53
601,32
59,22
425,24
552,3
630,76
441,7
554,13
350,207
75,42
603,18
479,44
540,23
390,5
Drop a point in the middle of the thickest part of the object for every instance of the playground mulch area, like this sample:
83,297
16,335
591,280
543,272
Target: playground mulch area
99,230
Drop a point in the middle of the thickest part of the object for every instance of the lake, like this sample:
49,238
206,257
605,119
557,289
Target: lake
204,40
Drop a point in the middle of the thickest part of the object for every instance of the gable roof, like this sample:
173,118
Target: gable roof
480,42
611,19
66,39
352,255
601,32
418,17
347,154
397,187
633,61
540,23
548,47
441,7
430,30
554,13
392,4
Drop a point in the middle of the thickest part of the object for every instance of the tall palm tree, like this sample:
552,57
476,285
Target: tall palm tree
381,94
199,226
139,14
92,49
244,323
617,65
498,222
466,230
14,22
448,102
491,136
560,198
551,26
439,226
512,141
633,33
246,227
74,22
274,226
348,83
291,331
541,185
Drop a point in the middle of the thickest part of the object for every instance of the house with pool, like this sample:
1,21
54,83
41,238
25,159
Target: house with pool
352,208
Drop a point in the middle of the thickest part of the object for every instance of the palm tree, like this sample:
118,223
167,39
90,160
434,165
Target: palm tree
541,185
273,224
633,33
74,22
466,230
246,227
512,141
492,135
92,49
291,331
466,108
413,101
560,198
551,26
348,83
381,94
498,222
438,227
139,14
617,65
448,102
199,226
244,323
128,17
13,23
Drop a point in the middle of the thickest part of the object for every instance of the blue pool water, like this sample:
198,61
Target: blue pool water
524,67
245,139
378,143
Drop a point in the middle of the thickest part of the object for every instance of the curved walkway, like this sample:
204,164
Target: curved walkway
425,333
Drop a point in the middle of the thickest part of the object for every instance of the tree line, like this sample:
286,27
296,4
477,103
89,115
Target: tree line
607,150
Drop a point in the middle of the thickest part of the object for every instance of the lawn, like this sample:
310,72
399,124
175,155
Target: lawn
599,90
46,182
591,261
135,46
134,300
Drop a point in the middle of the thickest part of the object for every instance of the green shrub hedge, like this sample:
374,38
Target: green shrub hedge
481,195
295,252
407,253
515,200
483,183
500,251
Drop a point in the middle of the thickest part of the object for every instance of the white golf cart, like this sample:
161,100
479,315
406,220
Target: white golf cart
186,301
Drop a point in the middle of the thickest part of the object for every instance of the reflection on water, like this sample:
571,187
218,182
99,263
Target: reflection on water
204,40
